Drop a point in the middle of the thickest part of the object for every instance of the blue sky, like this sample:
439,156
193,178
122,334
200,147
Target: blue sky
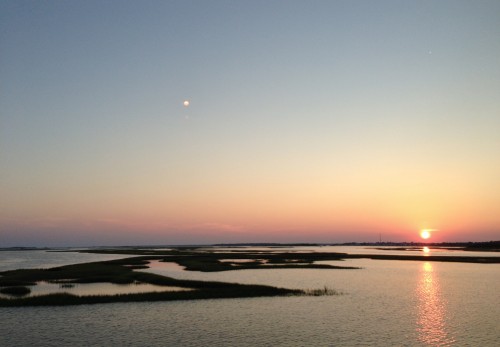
323,121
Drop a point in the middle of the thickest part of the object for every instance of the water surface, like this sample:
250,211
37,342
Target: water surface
387,303
13,260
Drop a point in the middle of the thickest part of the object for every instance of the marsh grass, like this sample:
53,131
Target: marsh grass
215,262
322,292
191,257
125,271
66,285
438,258
64,299
122,272
15,291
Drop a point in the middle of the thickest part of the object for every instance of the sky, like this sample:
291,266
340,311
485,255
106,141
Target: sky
308,121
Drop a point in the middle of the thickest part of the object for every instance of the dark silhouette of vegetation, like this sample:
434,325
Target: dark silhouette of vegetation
221,292
204,259
491,246
322,292
453,259
15,291
207,261
121,272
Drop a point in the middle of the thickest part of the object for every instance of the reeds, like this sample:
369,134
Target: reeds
322,292
15,291
123,271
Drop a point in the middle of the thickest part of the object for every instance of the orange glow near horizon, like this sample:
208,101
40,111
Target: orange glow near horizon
259,210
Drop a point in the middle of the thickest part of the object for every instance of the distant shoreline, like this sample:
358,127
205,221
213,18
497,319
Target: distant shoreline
477,246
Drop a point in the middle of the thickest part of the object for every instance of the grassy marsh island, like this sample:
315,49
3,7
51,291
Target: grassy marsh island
211,259
122,272
15,291
15,283
125,271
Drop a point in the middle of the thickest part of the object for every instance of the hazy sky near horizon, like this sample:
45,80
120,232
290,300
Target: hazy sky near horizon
322,121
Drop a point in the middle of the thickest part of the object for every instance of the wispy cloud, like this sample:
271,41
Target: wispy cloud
215,226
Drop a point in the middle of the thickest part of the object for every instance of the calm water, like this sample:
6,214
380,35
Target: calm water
12,260
387,303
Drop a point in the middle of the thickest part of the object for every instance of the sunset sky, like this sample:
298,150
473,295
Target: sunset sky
309,121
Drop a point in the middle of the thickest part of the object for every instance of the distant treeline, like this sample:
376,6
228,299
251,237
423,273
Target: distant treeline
486,245
466,245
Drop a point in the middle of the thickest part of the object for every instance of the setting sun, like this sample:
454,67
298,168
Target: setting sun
425,234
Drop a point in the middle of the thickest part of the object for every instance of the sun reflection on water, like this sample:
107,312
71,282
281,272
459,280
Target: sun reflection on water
431,321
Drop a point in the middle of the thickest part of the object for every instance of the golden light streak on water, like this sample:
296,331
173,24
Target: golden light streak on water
431,321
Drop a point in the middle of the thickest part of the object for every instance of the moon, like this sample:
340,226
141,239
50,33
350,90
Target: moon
186,103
